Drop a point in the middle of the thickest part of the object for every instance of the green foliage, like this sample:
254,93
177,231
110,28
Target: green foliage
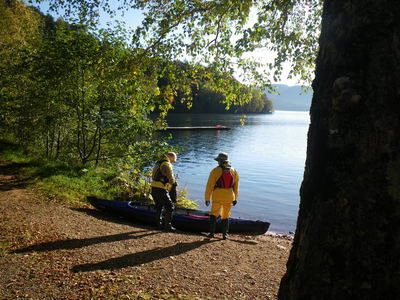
20,40
184,201
143,154
11,152
76,95
138,188
105,94
72,183
132,186
205,91
222,33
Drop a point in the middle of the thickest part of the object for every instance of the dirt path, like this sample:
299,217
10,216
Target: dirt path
50,251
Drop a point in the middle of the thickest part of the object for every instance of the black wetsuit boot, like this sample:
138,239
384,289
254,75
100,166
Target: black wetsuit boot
225,228
213,221
158,220
167,221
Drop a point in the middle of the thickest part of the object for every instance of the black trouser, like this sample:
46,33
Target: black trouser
162,200
173,194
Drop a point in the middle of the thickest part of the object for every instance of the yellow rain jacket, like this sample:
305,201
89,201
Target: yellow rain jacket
221,196
162,175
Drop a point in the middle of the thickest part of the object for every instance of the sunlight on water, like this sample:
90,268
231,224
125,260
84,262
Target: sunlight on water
269,153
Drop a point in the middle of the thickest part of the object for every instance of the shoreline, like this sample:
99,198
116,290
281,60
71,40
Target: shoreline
50,250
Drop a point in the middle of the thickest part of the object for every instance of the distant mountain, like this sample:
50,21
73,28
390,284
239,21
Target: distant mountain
290,98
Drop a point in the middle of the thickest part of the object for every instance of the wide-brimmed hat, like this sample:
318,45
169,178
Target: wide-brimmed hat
222,157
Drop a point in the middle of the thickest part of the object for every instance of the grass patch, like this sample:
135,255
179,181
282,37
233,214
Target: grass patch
13,153
72,184
60,180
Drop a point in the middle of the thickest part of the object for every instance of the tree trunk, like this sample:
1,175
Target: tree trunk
347,242
58,145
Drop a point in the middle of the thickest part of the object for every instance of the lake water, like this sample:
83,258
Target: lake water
269,153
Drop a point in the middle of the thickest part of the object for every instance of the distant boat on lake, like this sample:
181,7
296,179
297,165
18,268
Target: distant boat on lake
217,127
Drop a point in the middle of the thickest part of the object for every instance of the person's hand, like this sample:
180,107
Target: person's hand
207,203
234,202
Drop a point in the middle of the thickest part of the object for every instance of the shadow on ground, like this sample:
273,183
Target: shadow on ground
111,217
140,258
70,244
14,182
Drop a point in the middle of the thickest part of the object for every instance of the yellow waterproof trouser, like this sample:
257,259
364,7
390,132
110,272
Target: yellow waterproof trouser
216,208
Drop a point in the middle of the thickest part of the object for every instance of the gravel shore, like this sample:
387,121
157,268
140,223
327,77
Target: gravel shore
51,251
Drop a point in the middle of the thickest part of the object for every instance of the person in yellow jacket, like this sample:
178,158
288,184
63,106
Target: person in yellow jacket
163,186
223,190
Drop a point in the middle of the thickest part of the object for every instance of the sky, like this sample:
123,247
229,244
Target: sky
133,18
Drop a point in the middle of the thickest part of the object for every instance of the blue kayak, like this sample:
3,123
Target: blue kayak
183,219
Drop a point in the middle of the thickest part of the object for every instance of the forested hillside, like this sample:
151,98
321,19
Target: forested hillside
206,100
293,98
